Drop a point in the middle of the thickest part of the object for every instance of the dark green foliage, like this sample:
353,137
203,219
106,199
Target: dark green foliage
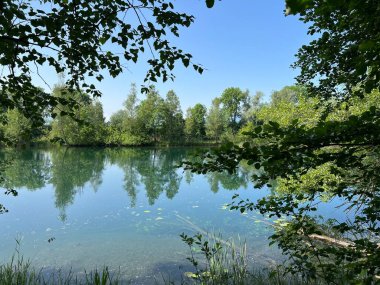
82,39
332,155
345,53
289,154
210,3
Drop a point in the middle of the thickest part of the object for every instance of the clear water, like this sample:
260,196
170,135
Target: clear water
123,208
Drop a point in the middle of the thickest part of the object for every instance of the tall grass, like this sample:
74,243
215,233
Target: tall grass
219,262
19,271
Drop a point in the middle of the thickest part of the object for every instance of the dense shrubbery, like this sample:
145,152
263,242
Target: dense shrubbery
323,145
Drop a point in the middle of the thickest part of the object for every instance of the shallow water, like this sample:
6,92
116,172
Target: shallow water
123,208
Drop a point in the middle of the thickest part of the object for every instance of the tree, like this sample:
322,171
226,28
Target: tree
235,102
17,130
343,56
255,105
290,94
81,39
115,128
122,125
130,104
289,104
85,126
331,157
195,123
150,117
216,121
154,120
250,116
174,122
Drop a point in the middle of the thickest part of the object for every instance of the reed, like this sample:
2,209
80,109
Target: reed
19,271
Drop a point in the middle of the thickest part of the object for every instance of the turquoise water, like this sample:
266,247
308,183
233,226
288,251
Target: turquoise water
123,208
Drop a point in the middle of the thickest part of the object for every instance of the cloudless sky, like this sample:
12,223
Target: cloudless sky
241,43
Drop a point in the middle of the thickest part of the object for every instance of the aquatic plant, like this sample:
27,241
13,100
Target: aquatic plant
224,262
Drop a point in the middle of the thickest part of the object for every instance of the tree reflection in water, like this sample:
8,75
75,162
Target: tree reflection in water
69,169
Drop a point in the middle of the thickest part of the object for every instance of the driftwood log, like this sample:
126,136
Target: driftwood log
322,238
332,241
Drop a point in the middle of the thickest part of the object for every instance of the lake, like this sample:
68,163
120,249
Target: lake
81,208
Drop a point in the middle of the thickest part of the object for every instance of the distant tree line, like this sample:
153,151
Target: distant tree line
151,121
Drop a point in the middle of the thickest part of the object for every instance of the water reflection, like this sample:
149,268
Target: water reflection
123,207
153,168
69,170
24,168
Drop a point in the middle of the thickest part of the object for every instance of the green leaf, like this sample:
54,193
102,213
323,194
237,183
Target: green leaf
367,45
210,3
297,6
185,62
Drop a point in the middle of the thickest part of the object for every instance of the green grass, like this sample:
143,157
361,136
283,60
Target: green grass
19,271
218,262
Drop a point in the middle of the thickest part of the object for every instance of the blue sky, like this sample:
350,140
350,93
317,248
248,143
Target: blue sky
241,43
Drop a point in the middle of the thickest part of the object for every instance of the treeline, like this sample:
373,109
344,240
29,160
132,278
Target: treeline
151,121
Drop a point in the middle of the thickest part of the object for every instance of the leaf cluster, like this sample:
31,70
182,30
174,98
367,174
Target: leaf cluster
81,39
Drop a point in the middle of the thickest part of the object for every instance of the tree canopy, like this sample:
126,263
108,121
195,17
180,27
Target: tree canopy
82,39
195,123
324,149
234,102
343,59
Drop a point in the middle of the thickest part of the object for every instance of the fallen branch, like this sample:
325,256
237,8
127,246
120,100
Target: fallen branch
337,242
333,241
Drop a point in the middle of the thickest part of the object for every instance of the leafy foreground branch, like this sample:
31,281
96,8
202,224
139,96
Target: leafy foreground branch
307,165
83,40
330,153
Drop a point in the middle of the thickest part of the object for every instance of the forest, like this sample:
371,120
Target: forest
151,121
157,121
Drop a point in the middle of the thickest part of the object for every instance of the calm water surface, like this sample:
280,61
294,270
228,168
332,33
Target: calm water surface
123,208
